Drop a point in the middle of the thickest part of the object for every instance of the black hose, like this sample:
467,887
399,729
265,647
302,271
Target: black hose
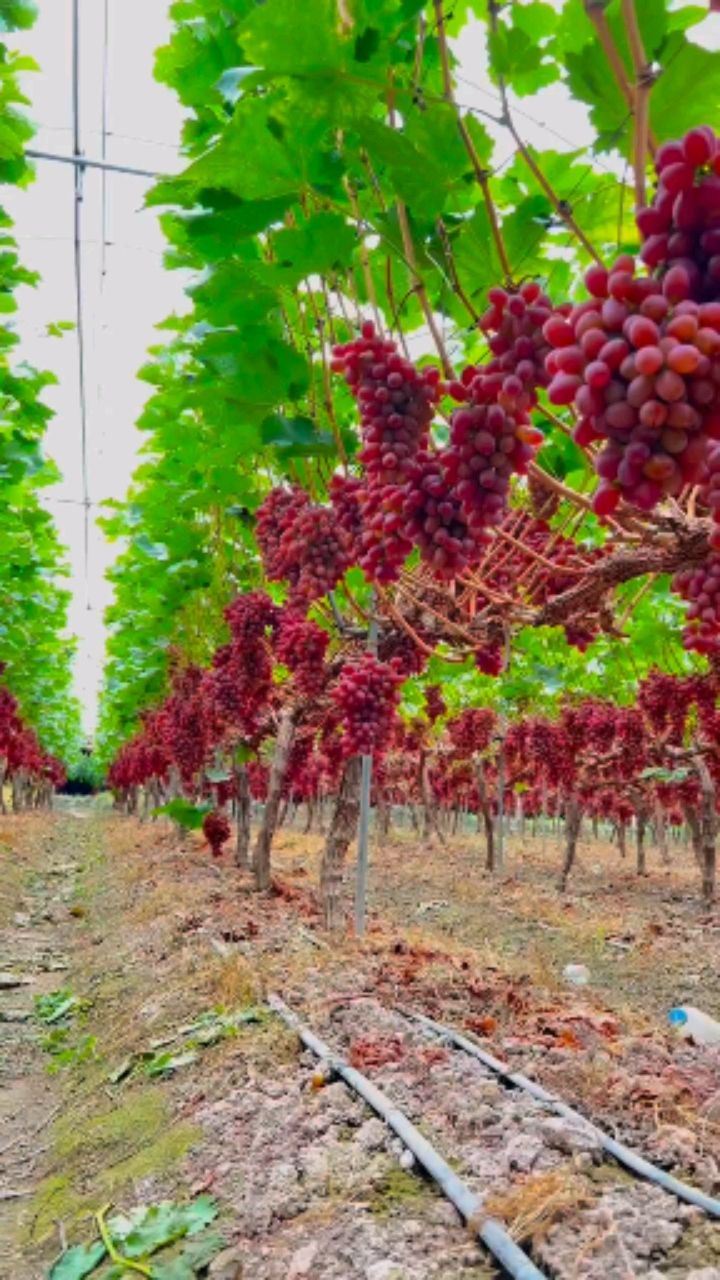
624,1155
511,1257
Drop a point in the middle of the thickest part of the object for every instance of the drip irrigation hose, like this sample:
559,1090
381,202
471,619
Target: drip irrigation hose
511,1257
624,1155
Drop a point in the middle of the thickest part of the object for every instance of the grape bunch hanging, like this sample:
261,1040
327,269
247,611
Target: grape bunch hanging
367,695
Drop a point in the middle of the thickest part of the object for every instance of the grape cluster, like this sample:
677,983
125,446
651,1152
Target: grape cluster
489,659
472,729
514,325
435,705
187,723
680,230
641,362
239,681
278,513
434,519
399,648
664,703
318,553
396,402
580,635
216,830
303,543
367,695
250,616
346,494
700,586
710,490
491,438
385,544
301,645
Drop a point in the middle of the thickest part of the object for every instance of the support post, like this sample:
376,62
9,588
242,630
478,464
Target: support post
363,854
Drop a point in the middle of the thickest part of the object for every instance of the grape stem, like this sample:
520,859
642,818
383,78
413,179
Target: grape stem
402,622
644,79
441,617
561,207
364,256
536,555
419,288
595,10
481,173
389,285
320,323
457,287
647,584
689,547
578,500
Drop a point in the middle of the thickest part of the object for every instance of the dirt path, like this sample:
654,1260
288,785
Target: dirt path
173,1098
41,861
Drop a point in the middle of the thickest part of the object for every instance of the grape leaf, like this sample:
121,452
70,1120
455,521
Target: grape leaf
77,1262
184,813
147,1228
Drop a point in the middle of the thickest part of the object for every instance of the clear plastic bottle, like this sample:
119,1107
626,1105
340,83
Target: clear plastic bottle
694,1025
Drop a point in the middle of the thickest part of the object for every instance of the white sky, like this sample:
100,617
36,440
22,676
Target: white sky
121,309
144,119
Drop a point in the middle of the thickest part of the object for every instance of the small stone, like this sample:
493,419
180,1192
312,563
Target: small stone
407,1160
10,980
710,1109
227,1265
522,1151
21,919
302,1260
371,1136
387,1269
569,1136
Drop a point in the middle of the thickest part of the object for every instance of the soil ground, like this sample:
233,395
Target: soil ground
150,934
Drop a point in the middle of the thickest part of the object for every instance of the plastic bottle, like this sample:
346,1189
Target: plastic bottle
694,1025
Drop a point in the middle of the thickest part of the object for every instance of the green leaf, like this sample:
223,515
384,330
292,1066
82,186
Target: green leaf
55,1006
78,1262
291,38
253,159
296,437
323,244
146,1229
17,14
231,82
200,1253
418,178
166,1064
177,1269
673,109
186,815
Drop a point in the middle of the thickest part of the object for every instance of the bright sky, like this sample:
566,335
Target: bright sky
121,307
122,304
